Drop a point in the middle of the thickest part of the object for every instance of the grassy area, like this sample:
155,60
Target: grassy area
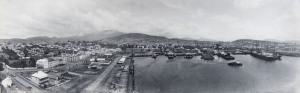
26,74
84,69
2,75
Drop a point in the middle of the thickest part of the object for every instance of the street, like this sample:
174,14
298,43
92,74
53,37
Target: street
96,87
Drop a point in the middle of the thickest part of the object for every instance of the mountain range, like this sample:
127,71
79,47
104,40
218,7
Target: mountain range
108,35
136,37
84,37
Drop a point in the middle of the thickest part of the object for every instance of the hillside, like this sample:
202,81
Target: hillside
139,37
136,37
94,36
87,37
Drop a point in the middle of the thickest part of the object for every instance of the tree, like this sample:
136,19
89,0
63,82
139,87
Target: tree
78,43
10,52
25,51
85,62
123,48
3,59
218,47
96,59
1,67
94,68
32,62
10,58
23,63
46,51
56,43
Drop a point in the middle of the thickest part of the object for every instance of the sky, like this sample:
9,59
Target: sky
223,20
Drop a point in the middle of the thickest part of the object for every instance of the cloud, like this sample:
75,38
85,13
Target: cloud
214,19
248,4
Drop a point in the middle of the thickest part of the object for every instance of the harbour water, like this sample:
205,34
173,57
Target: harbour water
194,75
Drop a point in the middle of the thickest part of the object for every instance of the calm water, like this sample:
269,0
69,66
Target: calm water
181,75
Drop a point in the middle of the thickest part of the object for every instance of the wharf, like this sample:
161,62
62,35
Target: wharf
207,56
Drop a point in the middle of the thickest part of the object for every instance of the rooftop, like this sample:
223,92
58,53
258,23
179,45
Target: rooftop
40,74
6,82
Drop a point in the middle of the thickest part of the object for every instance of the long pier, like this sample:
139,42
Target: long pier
131,78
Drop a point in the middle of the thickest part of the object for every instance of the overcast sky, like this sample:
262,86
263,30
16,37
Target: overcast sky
213,19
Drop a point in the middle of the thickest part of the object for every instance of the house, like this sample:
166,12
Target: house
7,82
36,50
40,78
118,50
98,59
83,56
108,56
99,62
135,50
50,62
42,63
70,57
95,65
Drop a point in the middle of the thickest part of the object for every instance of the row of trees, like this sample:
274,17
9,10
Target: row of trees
22,63
31,62
3,59
10,52
1,67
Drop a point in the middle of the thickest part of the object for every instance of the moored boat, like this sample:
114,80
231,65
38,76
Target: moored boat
234,63
266,56
154,56
170,55
188,55
226,56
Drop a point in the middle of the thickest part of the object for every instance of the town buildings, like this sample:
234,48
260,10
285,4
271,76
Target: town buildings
40,78
49,62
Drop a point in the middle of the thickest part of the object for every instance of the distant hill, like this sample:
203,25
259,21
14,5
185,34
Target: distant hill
41,39
293,41
199,39
139,37
268,40
272,40
136,36
112,35
87,37
94,35
250,40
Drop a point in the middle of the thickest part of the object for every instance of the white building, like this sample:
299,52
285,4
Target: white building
99,63
45,63
7,82
98,59
70,57
42,63
40,78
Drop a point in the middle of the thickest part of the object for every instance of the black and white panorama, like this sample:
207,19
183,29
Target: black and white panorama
149,46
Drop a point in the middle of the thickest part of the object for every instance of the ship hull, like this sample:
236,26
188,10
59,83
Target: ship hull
170,57
227,57
263,57
188,57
